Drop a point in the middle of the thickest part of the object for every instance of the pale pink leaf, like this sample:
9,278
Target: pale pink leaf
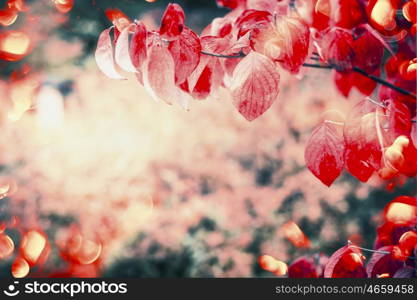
159,75
122,52
186,53
255,85
104,55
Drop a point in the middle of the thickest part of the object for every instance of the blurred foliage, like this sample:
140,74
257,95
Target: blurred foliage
87,19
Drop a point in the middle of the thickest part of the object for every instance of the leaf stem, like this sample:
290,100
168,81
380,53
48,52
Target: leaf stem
334,122
375,102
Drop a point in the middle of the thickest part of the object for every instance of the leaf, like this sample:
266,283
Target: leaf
118,18
343,82
399,119
347,262
252,20
405,272
381,263
172,23
324,153
337,48
122,52
302,267
255,85
220,27
104,55
231,3
285,40
364,140
209,73
159,74
364,84
138,45
186,53
368,50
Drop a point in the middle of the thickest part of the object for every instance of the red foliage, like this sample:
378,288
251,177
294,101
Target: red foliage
324,153
302,267
394,254
172,23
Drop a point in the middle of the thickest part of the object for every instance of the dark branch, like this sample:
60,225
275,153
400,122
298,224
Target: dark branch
239,55
383,82
322,66
317,66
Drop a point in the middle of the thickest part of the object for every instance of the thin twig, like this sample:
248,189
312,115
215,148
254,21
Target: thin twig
376,251
317,66
375,102
383,82
239,55
334,122
323,66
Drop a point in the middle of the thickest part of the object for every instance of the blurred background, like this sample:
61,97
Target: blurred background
96,179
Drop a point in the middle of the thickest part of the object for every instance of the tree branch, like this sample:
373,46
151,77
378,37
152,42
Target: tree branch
323,66
239,55
383,82
317,66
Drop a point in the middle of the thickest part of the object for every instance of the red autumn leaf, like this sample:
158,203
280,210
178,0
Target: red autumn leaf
231,3
18,5
364,140
104,55
159,74
122,52
409,167
255,85
343,82
337,48
368,50
404,205
348,13
118,18
347,262
381,15
138,45
64,6
8,16
408,85
324,153
389,234
356,163
302,267
381,263
186,53
399,119
407,242
295,235
285,40
202,87
364,84
172,23
209,73
252,20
